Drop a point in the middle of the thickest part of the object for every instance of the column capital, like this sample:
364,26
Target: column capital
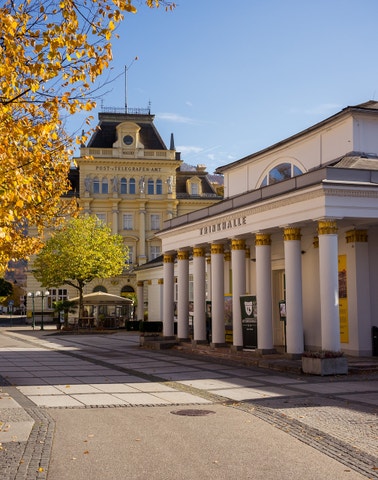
356,236
182,255
247,253
160,281
140,283
292,233
227,256
262,239
217,248
198,252
168,258
315,242
237,244
327,227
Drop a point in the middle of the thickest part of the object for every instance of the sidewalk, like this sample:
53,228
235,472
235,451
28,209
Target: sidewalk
65,387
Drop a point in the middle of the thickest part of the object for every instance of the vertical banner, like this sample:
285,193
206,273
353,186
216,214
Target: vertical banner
343,299
248,308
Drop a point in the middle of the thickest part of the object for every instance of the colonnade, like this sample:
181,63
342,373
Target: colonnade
213,256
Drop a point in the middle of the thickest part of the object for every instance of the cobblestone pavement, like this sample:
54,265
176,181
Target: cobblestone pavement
39,371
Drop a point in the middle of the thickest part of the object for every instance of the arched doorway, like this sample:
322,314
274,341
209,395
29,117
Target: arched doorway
128,291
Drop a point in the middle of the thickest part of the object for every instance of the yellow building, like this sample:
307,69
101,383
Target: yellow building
128,178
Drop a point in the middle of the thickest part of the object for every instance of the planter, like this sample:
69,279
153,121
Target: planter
325,366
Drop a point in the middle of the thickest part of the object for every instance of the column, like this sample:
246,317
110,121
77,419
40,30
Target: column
168,304
183,295
238,288
264,293
140,306
227,269
161,298
217,295
199,294
355,295
294,305
247,270
115,213
142,235
329,285
208,274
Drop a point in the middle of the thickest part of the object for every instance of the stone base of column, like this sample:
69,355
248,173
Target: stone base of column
236,348
186,339
199,342
218,345
266,351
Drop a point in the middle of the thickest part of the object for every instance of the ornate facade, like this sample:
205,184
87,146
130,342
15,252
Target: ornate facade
129,178
298,226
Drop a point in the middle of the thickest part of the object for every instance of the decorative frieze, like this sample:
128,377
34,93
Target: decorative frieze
353,236
262,239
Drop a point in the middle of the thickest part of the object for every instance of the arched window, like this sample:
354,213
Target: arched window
96,185
123,187
99,288
159,187
281,172
127,289
132,186
150,187
104,185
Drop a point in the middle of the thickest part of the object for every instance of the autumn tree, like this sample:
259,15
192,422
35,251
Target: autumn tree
51,53
78,252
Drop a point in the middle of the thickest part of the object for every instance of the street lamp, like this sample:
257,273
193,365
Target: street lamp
32,296
42,295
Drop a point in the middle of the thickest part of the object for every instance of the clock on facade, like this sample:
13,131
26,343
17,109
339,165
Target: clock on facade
128,139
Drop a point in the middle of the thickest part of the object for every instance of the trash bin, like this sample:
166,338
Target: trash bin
375,341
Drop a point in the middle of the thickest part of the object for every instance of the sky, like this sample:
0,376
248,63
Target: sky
231,77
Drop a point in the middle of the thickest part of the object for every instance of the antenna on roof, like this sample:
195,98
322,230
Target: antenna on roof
127,68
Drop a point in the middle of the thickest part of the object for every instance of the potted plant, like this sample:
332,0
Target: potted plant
324,362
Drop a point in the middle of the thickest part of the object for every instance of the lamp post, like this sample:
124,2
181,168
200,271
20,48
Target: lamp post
32,296
42,295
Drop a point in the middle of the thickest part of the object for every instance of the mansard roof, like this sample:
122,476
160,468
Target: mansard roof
106,134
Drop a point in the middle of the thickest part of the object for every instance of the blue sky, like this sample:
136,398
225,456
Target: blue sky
229,78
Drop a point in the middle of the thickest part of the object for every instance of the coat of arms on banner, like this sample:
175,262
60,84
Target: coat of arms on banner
248,306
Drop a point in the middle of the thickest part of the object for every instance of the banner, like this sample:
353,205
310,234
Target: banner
248,309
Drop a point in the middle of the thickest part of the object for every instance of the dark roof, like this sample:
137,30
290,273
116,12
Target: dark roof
105,134
74,179
182,177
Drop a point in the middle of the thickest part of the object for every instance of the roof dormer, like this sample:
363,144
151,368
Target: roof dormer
128,136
